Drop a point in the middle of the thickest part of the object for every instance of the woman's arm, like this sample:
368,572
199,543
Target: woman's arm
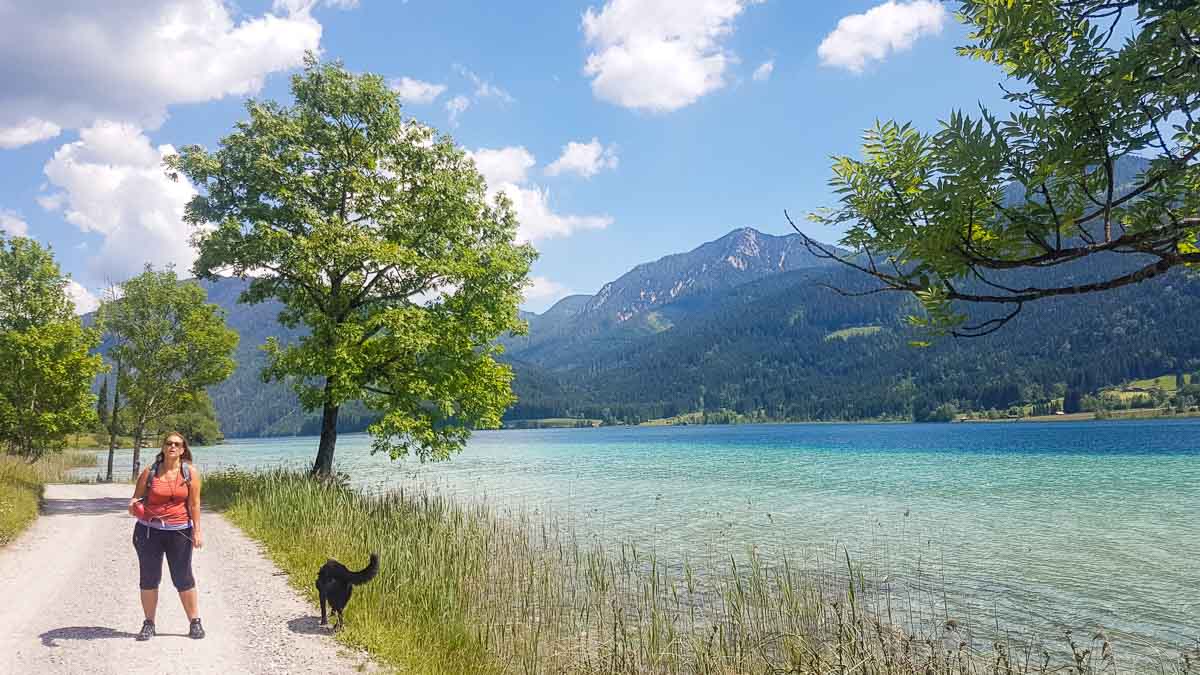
139,491
194,508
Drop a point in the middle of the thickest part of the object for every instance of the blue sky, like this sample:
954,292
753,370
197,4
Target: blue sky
688,118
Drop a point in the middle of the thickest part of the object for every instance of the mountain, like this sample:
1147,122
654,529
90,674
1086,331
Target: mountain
786,347
739,257
631,306
246,406
554,321
777,343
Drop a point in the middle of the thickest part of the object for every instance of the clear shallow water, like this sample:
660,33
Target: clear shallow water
1030,527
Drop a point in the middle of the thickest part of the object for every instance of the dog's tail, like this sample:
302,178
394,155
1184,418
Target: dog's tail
367,573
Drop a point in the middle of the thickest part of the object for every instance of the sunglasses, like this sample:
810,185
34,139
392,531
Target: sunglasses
173,444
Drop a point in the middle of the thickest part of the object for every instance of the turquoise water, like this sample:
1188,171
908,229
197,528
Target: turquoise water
1025,527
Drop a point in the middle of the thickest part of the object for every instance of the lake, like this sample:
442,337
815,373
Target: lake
1017,526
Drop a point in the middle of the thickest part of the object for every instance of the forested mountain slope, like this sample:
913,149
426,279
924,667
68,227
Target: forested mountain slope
786,347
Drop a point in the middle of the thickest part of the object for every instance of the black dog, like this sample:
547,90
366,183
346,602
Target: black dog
335,582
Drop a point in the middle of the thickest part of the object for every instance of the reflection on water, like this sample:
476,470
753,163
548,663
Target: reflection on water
1024,526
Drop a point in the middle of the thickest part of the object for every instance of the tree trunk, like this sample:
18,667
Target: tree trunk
323,467
137,448
113,427
112,450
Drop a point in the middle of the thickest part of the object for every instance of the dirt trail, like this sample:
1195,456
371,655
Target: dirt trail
69,601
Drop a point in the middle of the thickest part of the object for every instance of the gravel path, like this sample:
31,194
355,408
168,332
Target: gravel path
69,601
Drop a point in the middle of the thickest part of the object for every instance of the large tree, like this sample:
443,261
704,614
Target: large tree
984,210
45,392
169,343
378,235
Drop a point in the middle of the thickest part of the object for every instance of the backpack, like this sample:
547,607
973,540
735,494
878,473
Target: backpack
185,470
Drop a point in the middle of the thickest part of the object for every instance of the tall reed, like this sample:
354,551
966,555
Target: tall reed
463,590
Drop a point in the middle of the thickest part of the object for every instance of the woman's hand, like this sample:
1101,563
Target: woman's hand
197,539
132,502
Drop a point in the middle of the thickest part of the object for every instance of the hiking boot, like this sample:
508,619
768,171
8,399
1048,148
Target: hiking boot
196,631
147,631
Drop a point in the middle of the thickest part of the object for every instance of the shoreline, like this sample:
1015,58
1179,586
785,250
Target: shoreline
593,586
1112,416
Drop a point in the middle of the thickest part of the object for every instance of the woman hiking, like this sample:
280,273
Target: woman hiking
166,503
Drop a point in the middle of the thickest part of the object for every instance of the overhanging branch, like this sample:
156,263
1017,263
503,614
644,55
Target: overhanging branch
900,282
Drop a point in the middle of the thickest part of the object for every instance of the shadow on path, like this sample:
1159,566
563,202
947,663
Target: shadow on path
96,506
93,633
309,625
82,633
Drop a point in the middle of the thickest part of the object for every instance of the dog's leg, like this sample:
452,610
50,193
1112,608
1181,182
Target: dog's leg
321,592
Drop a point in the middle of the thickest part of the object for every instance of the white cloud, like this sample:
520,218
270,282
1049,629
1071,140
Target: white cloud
12,225
85,301
295,6
539,221
128,60
51,202
506,170
881,30
457,106
113,184
543,290
659,55
27,131
585,159
416,91
503,165
763,72
483,88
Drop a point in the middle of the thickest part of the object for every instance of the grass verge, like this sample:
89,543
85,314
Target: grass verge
21,484
98,441
461,590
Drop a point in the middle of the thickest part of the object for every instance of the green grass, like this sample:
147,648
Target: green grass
21,484
414,613
461,590
1127,397
855,331
550,423
97,441
719,416
1164,382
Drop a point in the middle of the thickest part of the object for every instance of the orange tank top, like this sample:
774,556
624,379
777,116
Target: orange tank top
166,501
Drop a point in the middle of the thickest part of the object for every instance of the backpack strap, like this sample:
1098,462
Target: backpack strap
185,469
150,478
